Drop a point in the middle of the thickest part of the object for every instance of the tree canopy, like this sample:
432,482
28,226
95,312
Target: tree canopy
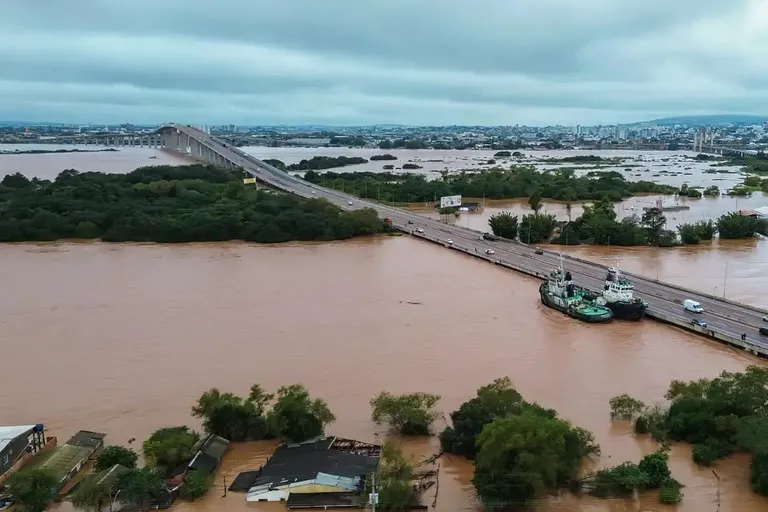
394,480
526,456
717,416
34,489
111,455
504,224
140,487
169,447
521,450
92,496
497,399
169,204
515,182
408,414
291,414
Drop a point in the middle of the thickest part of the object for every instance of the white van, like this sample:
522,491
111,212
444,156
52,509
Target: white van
692,306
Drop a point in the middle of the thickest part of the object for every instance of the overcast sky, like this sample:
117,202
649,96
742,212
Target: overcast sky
381,61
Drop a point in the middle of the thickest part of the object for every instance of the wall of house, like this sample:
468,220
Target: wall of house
12,452
317,488
278,495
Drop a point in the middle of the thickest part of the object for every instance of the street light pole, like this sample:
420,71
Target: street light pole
725,278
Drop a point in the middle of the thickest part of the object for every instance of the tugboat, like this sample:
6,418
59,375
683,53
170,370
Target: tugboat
618,296
558,292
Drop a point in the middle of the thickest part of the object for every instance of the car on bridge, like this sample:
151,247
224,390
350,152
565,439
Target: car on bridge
419,230
490,251
698,321
538,251
350,203
449,241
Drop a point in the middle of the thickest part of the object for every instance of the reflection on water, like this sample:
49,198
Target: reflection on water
123,338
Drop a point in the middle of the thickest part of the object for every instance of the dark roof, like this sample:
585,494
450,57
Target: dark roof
88,439
203,463
323,500
298,462
214,446
244,481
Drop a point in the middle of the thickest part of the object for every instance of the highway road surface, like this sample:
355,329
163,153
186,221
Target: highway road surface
721,316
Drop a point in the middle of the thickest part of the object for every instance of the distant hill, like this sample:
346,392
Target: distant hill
712,120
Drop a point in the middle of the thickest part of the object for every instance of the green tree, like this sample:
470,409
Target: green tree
504,224
15,180
296,416
536,227
92,496
706,229
34,489
168,447
232,417
497,399
526,456
408,414
712,191
111,455
689,234
625,407
196,485
734,225
394,480
717,416
534,201
140,487
627,478
654,221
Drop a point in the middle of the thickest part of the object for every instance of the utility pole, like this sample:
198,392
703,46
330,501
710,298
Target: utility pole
373,498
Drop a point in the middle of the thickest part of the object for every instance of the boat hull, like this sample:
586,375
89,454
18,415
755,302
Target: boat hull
627,310
548,301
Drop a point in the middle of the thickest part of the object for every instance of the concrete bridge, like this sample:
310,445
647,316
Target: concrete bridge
727,321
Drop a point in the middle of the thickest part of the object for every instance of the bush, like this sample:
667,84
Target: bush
670,492
111,455
407,414
196,485
168,447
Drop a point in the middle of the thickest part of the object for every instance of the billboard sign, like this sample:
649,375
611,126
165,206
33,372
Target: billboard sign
450,201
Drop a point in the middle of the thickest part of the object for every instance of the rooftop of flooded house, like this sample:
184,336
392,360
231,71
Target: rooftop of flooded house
66,457
329,461
8,434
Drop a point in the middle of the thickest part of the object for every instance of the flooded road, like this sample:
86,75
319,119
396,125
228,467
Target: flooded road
124,338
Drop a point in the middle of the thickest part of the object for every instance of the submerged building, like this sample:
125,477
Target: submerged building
18,444
327,472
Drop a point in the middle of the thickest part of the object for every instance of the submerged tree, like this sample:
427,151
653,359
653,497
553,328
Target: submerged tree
409,413
111,455
394,480
34,489
525,456
168,447
296,416
504,224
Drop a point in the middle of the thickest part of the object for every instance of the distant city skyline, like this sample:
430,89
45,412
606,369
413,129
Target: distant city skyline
339,63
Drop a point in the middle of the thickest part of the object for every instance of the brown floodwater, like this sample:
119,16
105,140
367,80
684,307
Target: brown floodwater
123,338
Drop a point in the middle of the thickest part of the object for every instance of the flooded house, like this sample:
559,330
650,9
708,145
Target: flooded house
68,459
19,444
327,472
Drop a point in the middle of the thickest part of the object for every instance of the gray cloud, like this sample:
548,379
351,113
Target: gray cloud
342,62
